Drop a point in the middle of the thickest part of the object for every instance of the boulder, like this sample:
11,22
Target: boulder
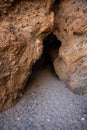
71,29
23,26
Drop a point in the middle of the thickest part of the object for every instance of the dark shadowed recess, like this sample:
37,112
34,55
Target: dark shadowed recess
50,44
56,2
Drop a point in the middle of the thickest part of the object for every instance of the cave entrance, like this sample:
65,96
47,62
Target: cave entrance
50,52
51,47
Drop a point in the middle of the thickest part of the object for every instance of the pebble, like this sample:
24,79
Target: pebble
82,119
18,118
48,120
42,116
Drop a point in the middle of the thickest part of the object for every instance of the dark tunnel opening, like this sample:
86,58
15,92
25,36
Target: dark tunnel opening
51,47
50,52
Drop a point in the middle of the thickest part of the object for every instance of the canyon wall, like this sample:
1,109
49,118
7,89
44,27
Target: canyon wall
23,26
71,29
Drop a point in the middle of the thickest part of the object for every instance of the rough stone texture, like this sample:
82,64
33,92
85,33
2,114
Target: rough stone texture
71,29
23,26
46,105
5,5
22,30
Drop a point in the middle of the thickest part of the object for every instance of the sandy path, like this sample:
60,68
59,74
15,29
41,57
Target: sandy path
46,105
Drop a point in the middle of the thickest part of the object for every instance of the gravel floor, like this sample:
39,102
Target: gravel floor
46,105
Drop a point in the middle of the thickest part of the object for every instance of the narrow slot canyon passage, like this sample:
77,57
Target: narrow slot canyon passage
51,47
46,104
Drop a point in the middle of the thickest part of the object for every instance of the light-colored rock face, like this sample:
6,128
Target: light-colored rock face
71,29
22,30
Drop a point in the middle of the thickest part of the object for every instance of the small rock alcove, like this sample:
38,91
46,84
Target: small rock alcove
51,47
50,52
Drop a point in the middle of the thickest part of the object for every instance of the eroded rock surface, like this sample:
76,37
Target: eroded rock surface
71,29
22,30
23,26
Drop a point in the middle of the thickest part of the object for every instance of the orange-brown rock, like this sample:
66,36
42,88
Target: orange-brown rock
71,29
23,26
22,30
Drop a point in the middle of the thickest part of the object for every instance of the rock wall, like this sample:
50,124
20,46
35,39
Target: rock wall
23,26
71,29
